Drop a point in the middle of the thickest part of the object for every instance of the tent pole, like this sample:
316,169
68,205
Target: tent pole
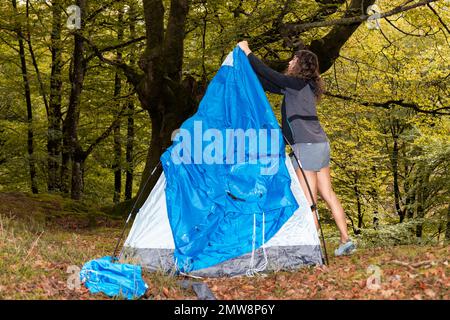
314,204
114,256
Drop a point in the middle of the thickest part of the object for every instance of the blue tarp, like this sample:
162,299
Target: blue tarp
212,207
113,279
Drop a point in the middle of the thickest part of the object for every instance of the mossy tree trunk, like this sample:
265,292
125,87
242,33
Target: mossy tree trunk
29,106
54,129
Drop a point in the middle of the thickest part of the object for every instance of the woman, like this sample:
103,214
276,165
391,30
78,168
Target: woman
302,88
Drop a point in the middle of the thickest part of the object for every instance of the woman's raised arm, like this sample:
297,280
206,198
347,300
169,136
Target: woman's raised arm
272,81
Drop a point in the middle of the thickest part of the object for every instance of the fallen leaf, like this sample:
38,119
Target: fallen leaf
248,287
430,293
395,277
290,292
387,293
281,278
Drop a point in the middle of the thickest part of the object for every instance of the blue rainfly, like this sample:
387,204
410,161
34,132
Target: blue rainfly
224,199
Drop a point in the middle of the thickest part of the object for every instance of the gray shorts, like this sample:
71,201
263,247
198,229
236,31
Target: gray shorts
312,156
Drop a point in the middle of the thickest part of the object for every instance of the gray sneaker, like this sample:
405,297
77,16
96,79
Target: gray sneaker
345,249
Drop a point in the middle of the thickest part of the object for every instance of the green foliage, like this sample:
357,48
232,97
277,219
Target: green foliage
372,140
376,66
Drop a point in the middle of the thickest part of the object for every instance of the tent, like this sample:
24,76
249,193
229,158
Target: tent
214,217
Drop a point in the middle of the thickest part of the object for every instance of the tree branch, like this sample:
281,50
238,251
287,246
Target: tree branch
328,48
106,133
280,30
133,76
350,20
387,104
439,18
117,46
100,9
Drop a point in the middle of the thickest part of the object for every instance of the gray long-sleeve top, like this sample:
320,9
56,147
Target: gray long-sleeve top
299,121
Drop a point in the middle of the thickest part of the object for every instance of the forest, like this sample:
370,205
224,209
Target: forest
91,91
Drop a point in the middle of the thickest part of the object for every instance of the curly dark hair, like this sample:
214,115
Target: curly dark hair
307,67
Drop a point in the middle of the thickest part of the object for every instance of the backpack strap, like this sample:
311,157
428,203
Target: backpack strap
303,117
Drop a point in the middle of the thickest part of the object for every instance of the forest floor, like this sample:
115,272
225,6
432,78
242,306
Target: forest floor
44,241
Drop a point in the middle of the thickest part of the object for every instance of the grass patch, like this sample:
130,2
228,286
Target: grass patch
38,252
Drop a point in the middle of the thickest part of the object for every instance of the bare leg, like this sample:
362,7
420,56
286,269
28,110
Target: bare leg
312,180
329,196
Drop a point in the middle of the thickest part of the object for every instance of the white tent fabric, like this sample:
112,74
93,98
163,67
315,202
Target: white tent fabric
150,239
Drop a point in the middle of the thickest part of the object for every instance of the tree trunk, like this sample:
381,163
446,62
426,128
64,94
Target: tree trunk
77,174
162,94
65,164
129,152
407,184
130,117
27,92
33,58
70,125
447,231
54,131
409,201
358,203
117,167
395,173
161,64
374,194
424,172
72,150
356,231
420,211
